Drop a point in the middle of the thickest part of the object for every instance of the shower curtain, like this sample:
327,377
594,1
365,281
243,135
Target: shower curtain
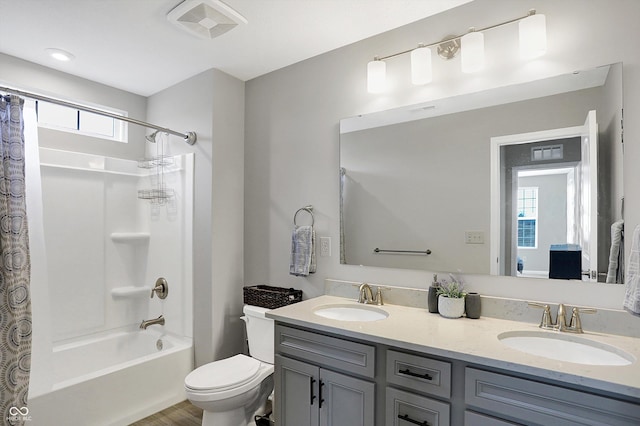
15,301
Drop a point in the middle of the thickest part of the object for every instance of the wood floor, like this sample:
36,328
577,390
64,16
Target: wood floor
181,414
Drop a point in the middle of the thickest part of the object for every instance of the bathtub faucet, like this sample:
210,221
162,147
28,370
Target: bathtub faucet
146,323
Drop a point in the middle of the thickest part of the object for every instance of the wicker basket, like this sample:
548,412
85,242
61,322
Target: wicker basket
270,297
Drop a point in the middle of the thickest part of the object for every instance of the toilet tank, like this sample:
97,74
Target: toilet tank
260,333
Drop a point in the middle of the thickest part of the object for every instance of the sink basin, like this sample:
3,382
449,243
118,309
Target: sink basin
351,312
565,347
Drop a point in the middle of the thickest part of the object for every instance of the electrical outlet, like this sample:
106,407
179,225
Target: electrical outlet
325,246
474,237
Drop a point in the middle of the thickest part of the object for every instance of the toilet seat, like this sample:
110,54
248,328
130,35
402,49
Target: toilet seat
226,378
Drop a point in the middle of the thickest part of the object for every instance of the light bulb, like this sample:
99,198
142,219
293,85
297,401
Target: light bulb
376,76
533,36
472,46
421,66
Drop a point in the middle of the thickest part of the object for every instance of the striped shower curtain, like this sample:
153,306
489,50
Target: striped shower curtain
15,301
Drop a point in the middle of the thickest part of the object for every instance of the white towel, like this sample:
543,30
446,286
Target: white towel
302,260
615,273
632,287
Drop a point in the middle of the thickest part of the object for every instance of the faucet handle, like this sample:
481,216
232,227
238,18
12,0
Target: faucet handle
161,288
546,321
576,323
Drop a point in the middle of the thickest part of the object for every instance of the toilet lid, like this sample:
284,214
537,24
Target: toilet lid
229,372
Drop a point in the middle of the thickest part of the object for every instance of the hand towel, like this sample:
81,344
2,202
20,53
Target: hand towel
312,266
632,287
302,251
615,273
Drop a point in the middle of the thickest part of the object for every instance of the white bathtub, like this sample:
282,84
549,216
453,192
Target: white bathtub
113,380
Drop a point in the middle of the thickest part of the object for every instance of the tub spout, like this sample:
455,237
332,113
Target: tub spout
146,323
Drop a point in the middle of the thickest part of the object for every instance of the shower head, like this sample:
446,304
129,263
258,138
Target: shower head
152,137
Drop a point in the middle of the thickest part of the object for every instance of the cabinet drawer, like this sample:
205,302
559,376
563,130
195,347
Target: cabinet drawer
354,358
475,419
419,373
406,409
544,404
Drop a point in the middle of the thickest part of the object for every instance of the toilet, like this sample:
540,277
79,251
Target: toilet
231,390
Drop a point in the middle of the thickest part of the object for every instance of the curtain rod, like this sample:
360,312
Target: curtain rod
189,137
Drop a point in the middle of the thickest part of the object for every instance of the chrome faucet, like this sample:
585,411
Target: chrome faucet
575,324
365,295
146,323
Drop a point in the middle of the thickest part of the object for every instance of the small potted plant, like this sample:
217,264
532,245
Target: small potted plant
451,299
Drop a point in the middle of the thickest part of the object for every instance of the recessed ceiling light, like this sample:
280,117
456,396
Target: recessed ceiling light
59,54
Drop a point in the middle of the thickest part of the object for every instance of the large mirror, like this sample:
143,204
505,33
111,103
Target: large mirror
506,181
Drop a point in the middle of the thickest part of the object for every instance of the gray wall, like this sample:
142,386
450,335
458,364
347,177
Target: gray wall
292,115
212,105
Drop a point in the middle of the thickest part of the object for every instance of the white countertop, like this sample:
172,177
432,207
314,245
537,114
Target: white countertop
469,340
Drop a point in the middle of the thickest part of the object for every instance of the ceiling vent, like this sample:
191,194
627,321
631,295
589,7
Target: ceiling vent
205,18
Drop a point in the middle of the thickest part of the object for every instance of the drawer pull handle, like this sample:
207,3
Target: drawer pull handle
320,396
312,397
412,374
408,419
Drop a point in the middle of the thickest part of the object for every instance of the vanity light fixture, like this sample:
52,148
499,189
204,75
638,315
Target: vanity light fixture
533,36
472,57
376,75
421,65
533,43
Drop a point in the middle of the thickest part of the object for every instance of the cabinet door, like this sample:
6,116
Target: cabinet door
297,393
345,401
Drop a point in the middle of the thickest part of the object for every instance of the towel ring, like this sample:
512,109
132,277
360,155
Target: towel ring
308,209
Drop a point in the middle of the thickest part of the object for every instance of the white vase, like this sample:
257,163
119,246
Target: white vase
450,307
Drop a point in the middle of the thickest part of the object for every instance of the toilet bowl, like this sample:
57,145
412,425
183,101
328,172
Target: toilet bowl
231,390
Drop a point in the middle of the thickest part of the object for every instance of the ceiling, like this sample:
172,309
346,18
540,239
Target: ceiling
130,44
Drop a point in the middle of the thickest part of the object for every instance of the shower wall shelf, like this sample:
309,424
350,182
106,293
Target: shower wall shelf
130,237
129,292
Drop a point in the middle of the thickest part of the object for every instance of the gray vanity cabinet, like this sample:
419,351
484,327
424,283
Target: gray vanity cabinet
324,379
309,390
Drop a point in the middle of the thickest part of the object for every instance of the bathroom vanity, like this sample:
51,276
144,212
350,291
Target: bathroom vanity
416,368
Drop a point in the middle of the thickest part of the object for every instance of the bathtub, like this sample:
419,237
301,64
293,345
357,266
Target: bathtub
114,379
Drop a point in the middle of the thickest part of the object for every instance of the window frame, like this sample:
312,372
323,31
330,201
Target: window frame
120,127
533,217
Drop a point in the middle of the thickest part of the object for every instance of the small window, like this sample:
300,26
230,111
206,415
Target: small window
528,217
73,120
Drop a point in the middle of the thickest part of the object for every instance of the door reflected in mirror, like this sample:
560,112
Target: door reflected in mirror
546,202
432,178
